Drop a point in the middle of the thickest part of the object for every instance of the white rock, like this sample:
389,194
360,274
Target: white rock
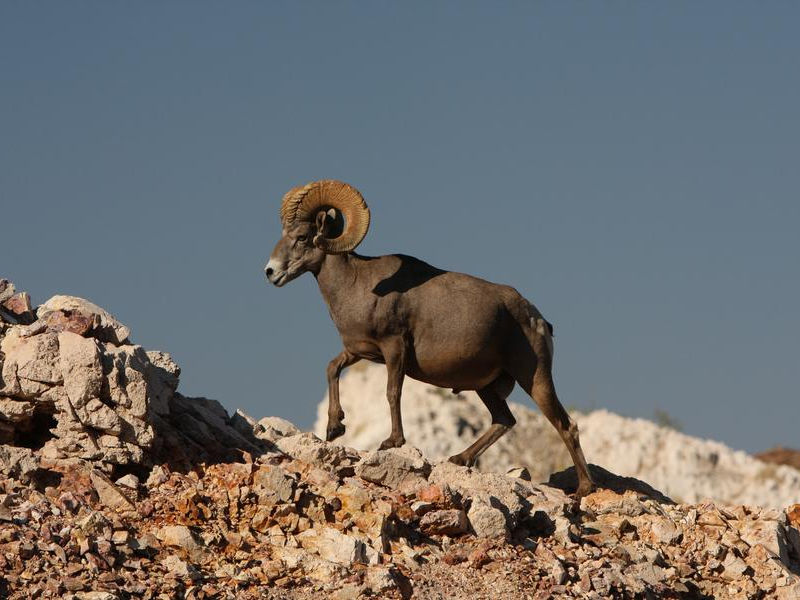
486,520
109,330
333,546
441,424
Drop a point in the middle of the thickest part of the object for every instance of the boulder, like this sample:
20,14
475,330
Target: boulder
106,327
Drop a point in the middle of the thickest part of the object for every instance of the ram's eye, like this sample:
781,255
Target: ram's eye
302,238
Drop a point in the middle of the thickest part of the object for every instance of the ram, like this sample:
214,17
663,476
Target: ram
447,329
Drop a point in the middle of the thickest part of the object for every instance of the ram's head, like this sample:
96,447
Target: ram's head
323,217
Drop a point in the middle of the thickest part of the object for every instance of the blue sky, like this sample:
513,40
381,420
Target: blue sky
631,168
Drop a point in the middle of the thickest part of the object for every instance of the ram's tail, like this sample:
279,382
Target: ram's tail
541,326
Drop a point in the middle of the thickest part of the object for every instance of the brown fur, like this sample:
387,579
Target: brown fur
444,328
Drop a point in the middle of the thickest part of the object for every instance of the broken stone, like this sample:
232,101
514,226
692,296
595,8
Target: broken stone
110,494
450,522
486,520
403,469
180,536
108,328
273,485
333,546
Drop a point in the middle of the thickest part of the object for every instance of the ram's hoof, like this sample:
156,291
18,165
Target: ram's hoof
584,489
334,432
391,442
459,459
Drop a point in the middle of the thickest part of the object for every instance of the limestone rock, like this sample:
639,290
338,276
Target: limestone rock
486,520
441,424
333,546
108,328
180,536
403,468
450,522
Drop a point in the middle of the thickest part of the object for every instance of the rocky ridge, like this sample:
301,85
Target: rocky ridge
171,497
441,424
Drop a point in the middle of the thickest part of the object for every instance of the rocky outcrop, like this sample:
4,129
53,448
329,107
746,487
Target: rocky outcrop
441,424
311,519
113,485
73,387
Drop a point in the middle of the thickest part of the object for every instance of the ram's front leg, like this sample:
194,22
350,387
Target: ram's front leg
335,413
394,354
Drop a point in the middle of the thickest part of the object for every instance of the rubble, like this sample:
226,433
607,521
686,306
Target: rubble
442,424
211,506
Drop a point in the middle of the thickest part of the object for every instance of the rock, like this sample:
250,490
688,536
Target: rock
107,329
96,596
450,522
158,475
509,495
63,320
129,481
519,473
110,495
402,469
606,501
19,305
380,580
333,546
180,536
272,428
769,533
17,462
31,366
441,424
486,521
310,449
176,566
273,485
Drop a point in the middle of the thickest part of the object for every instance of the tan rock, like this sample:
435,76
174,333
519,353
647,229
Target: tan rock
180,536
273,485
109,329
333,546
486,521
451,522
110,495
403,469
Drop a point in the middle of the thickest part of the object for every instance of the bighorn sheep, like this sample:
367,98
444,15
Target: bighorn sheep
447,329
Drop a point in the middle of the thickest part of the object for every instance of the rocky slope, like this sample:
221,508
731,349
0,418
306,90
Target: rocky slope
113,485
441,424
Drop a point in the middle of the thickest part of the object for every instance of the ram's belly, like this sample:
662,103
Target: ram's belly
460,365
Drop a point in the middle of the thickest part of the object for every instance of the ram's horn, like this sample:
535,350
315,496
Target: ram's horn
303,203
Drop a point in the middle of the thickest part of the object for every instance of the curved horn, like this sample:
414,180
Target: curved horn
306,201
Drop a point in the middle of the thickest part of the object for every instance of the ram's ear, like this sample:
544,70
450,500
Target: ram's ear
324,220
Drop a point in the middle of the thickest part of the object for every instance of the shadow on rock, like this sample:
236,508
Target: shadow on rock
567,481
199,431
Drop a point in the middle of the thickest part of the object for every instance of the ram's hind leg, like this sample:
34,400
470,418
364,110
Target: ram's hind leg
494,397
536,377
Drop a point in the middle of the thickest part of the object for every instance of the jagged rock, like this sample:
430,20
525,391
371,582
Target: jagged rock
272,428
449,522
17,462
310,449
441,424
107,328
110,495
486,520
273,485
333,546
403,469
180,536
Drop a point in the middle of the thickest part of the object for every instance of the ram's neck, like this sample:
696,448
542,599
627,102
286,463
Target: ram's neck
336,277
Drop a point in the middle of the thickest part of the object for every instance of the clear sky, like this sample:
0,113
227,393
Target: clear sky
631,168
